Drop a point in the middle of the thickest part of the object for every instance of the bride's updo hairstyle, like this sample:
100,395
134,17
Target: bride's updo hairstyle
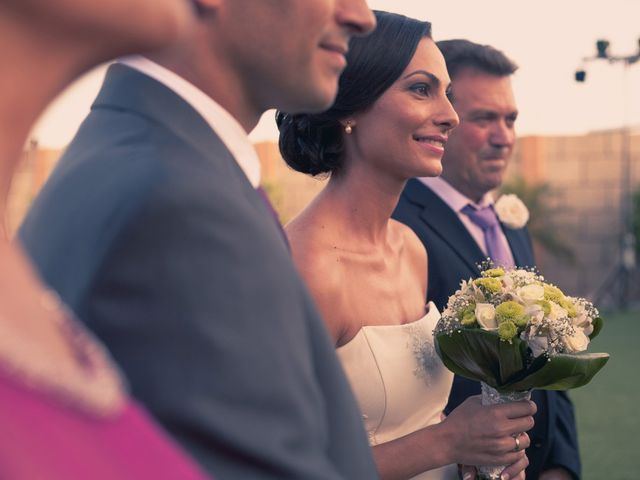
313,143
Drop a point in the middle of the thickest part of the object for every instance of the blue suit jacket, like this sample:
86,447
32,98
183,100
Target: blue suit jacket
153,235
454,256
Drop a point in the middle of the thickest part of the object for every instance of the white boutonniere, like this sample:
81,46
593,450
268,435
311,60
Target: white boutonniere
511,211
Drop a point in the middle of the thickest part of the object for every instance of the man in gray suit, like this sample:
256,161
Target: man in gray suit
152,230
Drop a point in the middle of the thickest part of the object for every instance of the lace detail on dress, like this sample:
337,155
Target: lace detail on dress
422,345
98,389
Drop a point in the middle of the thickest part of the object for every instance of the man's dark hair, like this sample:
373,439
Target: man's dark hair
460,54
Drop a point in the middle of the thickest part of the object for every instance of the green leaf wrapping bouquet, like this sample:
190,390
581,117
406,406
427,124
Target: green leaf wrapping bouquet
515,332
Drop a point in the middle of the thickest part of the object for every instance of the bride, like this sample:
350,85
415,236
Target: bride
368,273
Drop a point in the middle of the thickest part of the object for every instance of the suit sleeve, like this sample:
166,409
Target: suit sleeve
232,375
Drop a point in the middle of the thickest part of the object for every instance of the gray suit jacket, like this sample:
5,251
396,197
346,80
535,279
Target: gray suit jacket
153,235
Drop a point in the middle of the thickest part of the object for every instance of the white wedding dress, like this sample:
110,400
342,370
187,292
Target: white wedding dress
399,381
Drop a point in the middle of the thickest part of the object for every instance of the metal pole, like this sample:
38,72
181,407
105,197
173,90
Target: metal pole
621,274
628,247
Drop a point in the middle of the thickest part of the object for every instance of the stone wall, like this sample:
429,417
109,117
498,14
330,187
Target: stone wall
290,191
587,179
585,174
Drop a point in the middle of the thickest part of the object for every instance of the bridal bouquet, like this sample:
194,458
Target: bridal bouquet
514,332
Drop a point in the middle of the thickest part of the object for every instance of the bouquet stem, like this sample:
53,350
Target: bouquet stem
491,396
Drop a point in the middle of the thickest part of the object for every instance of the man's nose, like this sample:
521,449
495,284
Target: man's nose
502,135
356,16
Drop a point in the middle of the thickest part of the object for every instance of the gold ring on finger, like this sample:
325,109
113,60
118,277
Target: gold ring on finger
517,447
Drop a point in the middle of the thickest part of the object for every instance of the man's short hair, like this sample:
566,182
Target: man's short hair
460,54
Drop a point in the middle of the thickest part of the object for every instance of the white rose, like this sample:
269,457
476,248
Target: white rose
576,342
511,211
486,316
538,345
583,322
536,315
556,312
582,318
530,293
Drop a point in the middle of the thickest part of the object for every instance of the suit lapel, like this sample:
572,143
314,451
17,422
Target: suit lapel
130,90
445,223
127,89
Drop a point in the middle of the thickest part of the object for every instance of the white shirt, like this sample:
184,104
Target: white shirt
457,201
221,122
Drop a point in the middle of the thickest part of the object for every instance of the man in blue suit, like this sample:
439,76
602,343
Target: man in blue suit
454,217
152,229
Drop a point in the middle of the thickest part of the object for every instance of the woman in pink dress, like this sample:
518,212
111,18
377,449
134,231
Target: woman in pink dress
64,410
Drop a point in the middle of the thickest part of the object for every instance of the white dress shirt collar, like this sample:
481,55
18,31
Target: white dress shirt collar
457,201
221,122
452,197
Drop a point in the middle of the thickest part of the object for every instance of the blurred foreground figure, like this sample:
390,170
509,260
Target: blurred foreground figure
63,409
173,258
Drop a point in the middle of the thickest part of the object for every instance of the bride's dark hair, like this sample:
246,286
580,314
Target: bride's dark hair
312,143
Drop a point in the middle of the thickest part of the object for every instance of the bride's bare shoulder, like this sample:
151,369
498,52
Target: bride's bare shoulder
320,266
312,251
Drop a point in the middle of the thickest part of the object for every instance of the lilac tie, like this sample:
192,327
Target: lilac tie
486,219
273,212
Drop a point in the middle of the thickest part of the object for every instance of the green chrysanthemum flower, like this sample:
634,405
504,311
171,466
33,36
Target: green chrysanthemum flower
553,294
494,272
509,311
467,316
521,321
568,306
469,319
507,330
490,285
546,306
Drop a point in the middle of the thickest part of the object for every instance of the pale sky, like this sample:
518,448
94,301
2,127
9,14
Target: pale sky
547,38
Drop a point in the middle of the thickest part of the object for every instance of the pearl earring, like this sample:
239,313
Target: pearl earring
348,129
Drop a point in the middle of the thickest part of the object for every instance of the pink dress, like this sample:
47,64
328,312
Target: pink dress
66,427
